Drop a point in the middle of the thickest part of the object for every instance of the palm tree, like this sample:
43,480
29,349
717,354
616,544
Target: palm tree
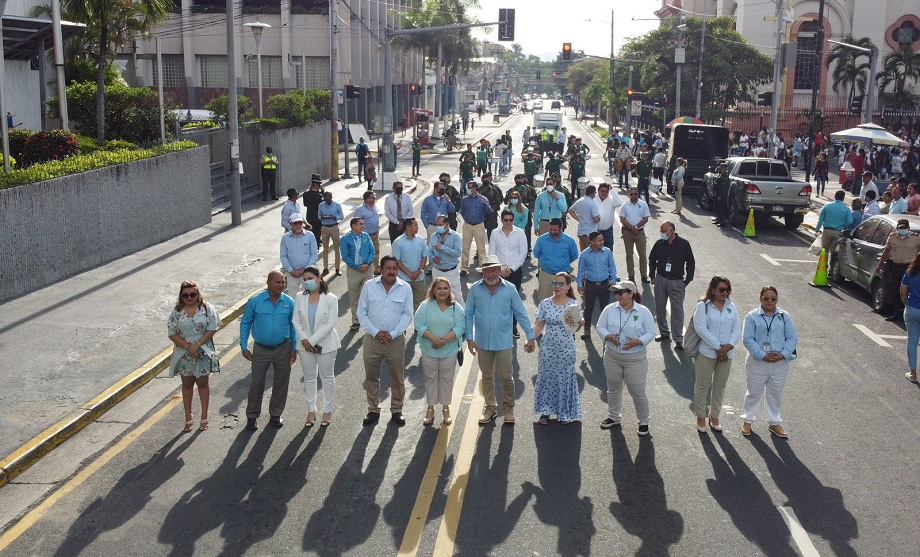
849,73
116,22
898,68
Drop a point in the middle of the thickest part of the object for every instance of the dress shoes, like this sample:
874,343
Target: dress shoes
487,415
509,417
252,424
371,418
746,429
895,317
778,431
679,346
397,418
662,338
276,421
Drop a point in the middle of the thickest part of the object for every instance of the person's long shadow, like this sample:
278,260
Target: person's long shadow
819,508
488,487
642,505
258,517
350,511
398,510
679,371
125,499
215,499
592,366
737,490
414,375
557,498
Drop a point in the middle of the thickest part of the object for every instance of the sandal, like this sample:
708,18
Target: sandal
544,419
311,418
912,377
189,424
203,426
327,419
446,420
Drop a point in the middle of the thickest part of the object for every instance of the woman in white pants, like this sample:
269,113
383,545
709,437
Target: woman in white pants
315,318
716,321
439,325
626,327
770,338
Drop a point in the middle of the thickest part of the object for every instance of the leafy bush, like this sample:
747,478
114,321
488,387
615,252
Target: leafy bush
118,145
86,145
131,113
83,163
268,124
199,125
48,145
18,138
221,107
299,108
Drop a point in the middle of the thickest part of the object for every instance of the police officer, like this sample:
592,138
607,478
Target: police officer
720,196
269,173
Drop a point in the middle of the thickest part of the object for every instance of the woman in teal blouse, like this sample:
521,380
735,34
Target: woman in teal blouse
439,325
518,209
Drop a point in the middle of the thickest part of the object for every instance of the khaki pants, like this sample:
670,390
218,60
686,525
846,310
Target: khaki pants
543,226
280,359
489,361
375,239
678,196
545,284
635,242
709,372
394,354
827,237
419,291
473,232
293,284
330,236
583,242
439,378
356,280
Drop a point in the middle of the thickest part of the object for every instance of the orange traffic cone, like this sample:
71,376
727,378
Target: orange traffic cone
749,227
820,280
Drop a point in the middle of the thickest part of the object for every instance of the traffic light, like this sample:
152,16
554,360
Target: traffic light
554,74
856,105
566,51
666,101
414,89
629,93
352,92
506,24
765,99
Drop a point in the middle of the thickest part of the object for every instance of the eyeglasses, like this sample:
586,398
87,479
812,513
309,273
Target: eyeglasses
771,299
559,283
189,295
723,289
634,195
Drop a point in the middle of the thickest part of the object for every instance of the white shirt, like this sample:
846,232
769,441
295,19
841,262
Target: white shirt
561,137
868,187
511,250
872,209
635,212
608,210
389,207
586,209
658,160
379,310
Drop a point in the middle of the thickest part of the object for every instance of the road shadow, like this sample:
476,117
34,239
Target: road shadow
819,508
398,510
679,370
128,497
592,366
741,494
350,511
641,507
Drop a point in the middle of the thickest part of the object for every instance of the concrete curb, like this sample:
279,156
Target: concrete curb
34,449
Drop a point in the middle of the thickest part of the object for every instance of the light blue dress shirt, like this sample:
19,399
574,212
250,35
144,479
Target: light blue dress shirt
450,251
595,266
776,334
433,206
298,252
835,216
637,323
897,207
555,255
371,218
429,317
489,316
379,310
586,209
547,208
270,323
357,250
717,327
330,213
410,253
289,208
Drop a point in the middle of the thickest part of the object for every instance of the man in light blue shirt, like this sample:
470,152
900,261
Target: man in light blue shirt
556,252
438,203
473,209
385,312
444,249
358,253
298,251
491,305
368,213
898,205
586,212
411,253
330,214
550,204
596,272
289,208
833,218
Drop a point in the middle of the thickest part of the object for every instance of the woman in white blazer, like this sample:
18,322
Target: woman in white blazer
314,320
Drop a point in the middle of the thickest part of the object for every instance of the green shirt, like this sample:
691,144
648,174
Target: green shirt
644,168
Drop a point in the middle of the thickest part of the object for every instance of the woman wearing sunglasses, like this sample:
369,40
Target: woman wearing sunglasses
716,321
557,386
770,338
191,326
626,327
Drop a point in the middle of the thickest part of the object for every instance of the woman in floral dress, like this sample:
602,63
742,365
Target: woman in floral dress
557,386
191,326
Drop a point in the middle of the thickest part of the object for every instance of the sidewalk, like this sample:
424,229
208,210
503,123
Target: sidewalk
75,349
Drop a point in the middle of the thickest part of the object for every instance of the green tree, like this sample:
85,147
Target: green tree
899,68
849,72
459,47
221,107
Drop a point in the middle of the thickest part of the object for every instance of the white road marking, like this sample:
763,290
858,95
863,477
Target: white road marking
878,339
778,262
799,535
770,260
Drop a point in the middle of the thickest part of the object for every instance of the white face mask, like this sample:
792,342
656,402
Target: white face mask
550,188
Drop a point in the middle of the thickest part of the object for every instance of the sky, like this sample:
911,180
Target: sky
542,26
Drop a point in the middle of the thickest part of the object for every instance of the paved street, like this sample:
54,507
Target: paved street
844,483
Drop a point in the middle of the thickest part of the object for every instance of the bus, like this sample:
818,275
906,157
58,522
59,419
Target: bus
700,145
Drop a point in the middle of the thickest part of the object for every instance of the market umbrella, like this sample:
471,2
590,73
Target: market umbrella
684,120
869,133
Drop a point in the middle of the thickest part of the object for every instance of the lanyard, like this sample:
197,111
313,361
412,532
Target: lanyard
769,325
624,322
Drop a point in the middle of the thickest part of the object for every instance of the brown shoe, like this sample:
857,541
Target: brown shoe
746,429
488,414
509,417
778,431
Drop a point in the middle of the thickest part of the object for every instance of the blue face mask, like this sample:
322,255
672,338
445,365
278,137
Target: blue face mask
514,201
664,236
903,232
310,285
440,229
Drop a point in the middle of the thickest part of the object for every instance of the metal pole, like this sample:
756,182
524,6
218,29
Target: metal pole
679,69
870,92
777,88
59,63
815,120
160,92
233,124
613,113
699,78
4,129
435,133
629,105
334,83
259,69
388,158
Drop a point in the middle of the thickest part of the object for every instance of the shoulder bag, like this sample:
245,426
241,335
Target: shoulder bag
691,337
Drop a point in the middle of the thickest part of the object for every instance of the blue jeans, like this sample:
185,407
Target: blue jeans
912,320
608,238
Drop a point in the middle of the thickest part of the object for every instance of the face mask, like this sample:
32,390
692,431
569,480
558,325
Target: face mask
440,229
310,285
514,201
903,232
550,188
664,236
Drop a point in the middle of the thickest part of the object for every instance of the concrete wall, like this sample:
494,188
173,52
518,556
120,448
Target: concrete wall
58,228
301,152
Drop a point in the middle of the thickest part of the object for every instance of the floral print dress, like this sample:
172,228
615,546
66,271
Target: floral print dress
191,329
557,385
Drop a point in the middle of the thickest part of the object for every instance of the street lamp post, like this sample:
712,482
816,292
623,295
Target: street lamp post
257,29
873,69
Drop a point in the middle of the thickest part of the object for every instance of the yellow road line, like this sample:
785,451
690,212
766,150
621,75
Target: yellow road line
419,517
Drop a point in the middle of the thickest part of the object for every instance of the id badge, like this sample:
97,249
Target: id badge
667,268
767,347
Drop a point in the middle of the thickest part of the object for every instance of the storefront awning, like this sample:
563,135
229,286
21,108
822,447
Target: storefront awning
22,36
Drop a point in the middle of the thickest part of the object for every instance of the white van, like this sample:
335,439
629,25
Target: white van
546,120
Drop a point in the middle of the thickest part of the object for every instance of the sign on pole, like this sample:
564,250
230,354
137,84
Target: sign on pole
636,108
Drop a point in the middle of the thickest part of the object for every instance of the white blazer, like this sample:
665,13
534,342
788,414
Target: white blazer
327,312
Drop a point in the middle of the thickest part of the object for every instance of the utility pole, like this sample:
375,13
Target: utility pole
777,87
613,114
815,118
680,54
699,78
334,82
233,123
435,133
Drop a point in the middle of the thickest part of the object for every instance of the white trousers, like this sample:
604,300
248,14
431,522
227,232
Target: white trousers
324,366
631,369
452,276
764,378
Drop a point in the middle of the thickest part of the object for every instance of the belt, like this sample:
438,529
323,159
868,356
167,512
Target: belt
544,220
374,234
604,282
474,223
672,277
330,225
267,347
447,270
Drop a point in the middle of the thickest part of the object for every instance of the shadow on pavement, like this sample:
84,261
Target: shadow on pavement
397,512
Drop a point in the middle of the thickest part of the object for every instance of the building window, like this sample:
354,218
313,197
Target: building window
806,60
316,70
271,72
906,35
213,71
173,71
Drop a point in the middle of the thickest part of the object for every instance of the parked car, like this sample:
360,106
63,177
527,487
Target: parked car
855,255
763,185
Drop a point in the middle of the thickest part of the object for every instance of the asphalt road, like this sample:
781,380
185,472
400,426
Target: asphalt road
843,484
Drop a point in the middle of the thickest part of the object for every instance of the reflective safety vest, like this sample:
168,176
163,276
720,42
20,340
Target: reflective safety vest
269,162
544,135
